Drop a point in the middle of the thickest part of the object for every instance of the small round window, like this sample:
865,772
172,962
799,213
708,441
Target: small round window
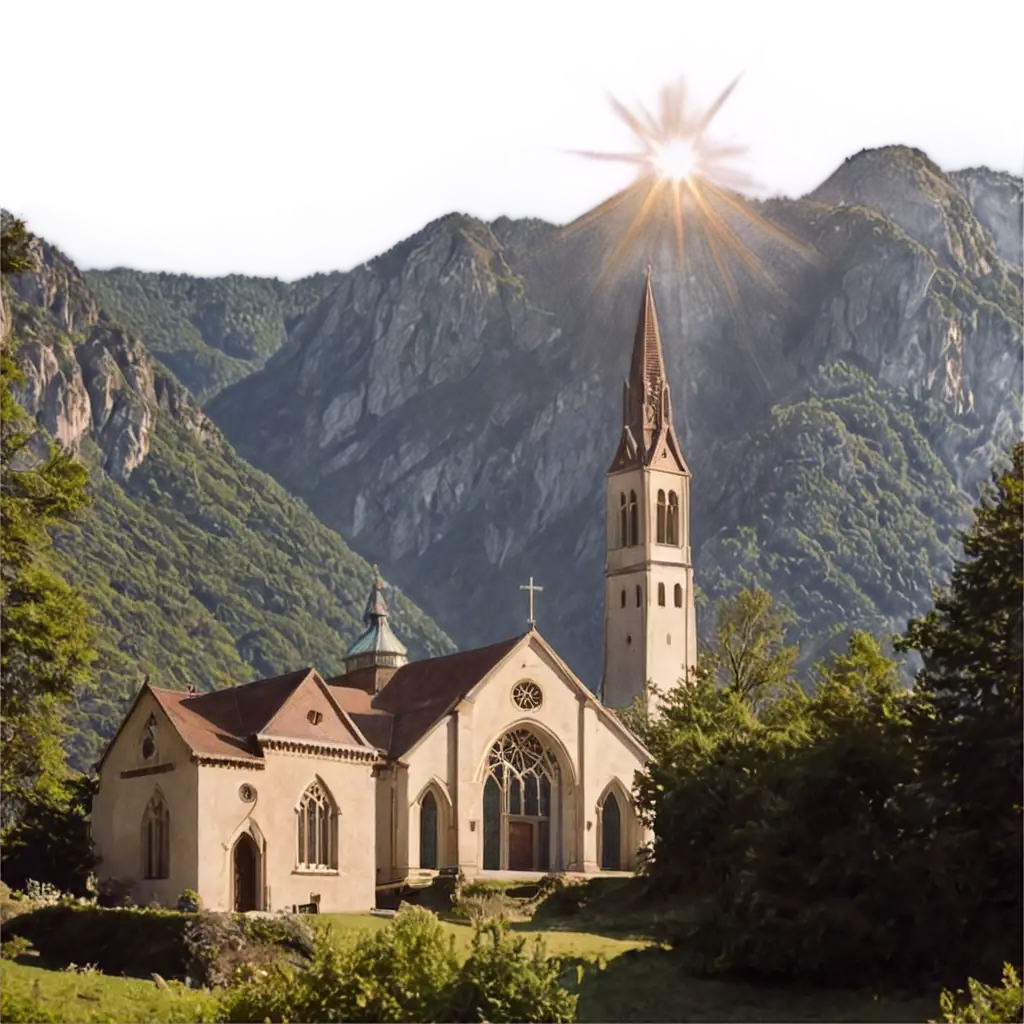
247,793
527,696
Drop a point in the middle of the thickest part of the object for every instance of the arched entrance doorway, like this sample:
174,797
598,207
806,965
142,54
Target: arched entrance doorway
246,862
428,831
522,805
611,834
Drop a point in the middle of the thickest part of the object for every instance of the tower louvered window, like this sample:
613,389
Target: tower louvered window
673,518
634,520
623,523
662,512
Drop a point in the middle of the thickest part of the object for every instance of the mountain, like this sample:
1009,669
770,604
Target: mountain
201,570
451,406
209,332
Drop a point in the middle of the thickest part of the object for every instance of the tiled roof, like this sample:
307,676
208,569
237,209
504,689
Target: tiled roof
224,722
374,724
422,692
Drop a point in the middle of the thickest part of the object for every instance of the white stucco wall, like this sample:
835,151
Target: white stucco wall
223,816
120,806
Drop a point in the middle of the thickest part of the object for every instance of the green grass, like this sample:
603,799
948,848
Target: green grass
558,942
90,998
641,982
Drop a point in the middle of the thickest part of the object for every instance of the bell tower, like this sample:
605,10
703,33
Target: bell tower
650,632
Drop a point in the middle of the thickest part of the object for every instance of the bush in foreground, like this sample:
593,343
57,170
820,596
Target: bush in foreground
988,1004
410,972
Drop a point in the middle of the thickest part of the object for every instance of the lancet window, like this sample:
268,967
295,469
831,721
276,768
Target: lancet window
672,530
634,520
317,829
156,838
679,595
623,522
662,513
661,595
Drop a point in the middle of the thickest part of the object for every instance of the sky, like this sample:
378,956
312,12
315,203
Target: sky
819,84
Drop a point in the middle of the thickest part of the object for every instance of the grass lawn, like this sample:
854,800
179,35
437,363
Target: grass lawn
558,943
89,998
641,982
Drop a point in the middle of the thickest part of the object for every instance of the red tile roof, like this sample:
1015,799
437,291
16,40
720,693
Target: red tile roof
422,692
224,723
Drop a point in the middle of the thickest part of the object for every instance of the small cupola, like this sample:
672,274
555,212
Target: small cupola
377,646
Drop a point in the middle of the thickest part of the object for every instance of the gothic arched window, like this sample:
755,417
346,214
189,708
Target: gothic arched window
428,831
611,834
156,838
679,596
623,523
661,594
639,596
673,518
317,828
634,520
522,778
662,510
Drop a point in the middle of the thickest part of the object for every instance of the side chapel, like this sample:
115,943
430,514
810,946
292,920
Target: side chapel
499,759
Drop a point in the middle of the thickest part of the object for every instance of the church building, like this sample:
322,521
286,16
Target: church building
305,789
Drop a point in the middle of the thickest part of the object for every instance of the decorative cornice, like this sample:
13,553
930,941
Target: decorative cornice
319,748
227,761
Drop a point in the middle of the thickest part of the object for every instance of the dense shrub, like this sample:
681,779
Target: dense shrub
502,981
409,971
207,948
50,842
190,902
987,1004
132,942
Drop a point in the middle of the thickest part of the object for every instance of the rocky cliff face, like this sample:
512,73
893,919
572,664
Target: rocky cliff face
451,406
84,380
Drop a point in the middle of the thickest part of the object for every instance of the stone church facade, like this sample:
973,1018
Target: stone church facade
303,789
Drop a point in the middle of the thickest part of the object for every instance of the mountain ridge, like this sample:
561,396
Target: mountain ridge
445,406
456,428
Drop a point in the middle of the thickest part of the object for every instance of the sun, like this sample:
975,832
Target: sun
677,159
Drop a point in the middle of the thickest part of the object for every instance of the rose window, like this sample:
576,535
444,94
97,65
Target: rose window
527,696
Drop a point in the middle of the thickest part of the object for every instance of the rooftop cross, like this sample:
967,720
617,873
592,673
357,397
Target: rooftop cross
533,590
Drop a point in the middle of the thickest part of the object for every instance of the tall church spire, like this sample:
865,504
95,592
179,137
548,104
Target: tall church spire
648,436
649,621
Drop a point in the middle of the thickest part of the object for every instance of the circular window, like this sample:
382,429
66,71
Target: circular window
527,696
247,793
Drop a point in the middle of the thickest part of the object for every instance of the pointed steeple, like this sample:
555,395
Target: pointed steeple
647,430
377,645
376,606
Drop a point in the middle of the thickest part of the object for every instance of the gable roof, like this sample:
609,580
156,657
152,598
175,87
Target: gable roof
228,724
421,693
224,724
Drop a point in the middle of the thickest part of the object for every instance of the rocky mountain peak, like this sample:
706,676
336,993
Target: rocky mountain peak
914,193
85,379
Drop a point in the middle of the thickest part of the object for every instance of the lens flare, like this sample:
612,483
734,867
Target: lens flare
684,174
676,160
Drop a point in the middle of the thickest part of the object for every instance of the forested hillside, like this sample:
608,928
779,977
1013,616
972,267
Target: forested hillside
198,570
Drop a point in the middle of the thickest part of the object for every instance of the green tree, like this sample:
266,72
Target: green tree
969,727
15,255
45,635
749,656
50,842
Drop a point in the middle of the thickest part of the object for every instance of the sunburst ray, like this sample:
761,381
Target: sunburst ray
682,173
